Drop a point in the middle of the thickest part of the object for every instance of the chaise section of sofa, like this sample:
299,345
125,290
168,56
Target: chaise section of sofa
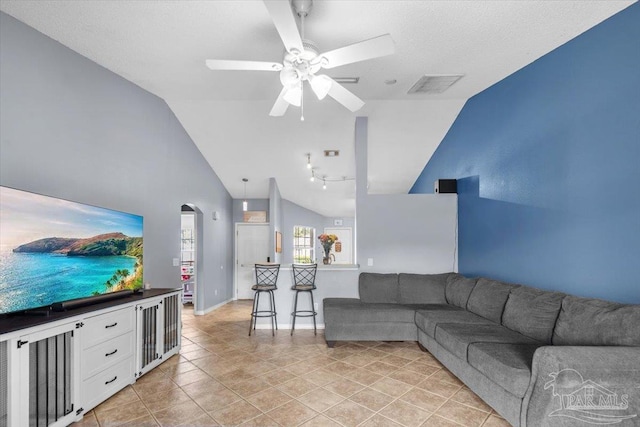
386,308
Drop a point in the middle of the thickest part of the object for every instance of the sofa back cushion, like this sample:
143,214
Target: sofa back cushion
488,298
422,288
458,289
378,288
532,312
587,321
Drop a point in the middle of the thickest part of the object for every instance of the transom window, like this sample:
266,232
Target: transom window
303,244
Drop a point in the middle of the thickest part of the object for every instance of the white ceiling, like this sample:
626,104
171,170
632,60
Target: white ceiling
162,45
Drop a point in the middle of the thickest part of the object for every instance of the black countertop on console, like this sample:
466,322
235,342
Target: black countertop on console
16,321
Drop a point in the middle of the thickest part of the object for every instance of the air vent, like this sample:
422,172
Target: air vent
331,153
434,84
346,80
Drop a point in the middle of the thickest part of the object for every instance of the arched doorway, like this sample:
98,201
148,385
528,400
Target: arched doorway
190,254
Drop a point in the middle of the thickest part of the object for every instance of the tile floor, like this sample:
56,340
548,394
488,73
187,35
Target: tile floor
224,377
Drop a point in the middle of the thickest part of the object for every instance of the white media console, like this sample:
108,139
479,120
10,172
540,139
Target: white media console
54,369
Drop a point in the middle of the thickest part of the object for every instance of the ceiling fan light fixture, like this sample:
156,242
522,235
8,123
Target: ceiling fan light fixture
321,85
294,96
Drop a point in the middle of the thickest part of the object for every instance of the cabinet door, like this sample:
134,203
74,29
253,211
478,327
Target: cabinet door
149,336
48,365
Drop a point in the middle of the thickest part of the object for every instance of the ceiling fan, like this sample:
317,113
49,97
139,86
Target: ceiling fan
302,60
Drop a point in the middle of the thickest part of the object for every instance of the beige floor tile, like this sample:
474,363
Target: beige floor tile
348,413
297,387
277,376
446,376
154,387
363,376
181,413
218,400
249,387
202,421
462,414
405,414
321,377
269,399
379,421
407,376
344,387
440,388
396,361
494,421
340,368
186,378
438,421
320,399
145,421
236,413
260,421
195,354
292,414
393,388
423,399
469,398
321,421
166,399
381,368
121,413
126,395
88,420
371,399
180,368
203,387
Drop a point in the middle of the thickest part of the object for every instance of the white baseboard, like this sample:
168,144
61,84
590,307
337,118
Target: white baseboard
288,326
210,309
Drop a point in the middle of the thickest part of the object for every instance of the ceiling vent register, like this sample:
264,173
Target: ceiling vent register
433,84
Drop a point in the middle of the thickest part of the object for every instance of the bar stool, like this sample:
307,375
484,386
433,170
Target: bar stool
304,280
266,280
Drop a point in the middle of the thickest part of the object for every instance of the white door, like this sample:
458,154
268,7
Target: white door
345,237
252,247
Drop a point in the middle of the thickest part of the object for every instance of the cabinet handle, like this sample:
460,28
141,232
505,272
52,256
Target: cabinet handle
112,353
109,382
111,326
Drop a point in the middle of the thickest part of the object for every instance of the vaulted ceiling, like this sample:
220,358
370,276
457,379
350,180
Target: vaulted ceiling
162,45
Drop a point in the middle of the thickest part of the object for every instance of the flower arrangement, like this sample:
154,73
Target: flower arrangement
327,241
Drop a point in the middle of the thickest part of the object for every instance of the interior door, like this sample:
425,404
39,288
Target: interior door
345,237
252,246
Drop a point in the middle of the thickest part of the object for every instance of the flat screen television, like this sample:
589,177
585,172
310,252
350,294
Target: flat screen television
54,250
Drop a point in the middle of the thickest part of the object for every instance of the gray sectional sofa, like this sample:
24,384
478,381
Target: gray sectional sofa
539,358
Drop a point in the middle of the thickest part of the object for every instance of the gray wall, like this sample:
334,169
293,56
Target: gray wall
411,233
72,129
253,205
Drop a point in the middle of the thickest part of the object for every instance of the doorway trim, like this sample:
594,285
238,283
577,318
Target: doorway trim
198,291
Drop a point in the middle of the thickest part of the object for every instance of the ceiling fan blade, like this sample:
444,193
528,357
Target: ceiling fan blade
280,106
344,97
361,51
224,64
285,22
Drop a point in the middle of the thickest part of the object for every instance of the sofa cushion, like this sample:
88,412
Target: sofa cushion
428,319
456,337
422,288
532,312
586,321
351,310
378,288
508,365
488,298
458,290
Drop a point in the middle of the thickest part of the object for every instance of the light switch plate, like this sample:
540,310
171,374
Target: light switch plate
176,262
370,262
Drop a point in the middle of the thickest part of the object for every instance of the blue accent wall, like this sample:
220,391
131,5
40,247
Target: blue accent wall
548,163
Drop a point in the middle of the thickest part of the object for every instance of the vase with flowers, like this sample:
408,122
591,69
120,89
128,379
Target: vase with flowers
327,241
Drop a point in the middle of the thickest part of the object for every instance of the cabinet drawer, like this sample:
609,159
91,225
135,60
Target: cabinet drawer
106,354
106,326
106,383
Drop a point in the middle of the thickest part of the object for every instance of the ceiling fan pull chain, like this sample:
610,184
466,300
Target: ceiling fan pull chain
301,100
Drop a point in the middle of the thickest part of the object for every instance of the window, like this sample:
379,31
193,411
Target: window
303,244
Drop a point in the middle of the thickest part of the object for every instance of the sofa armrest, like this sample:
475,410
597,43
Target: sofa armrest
588,385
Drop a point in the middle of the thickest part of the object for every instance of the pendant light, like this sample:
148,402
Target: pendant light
245,205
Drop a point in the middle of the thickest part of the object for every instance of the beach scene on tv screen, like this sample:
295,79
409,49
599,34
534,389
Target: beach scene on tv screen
54,250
